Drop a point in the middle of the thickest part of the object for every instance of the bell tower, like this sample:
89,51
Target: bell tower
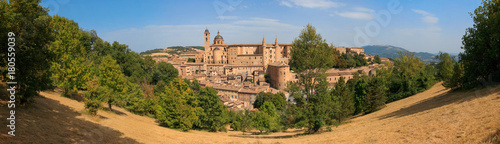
207,39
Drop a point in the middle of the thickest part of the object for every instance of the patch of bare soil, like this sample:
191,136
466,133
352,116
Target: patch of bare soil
434,116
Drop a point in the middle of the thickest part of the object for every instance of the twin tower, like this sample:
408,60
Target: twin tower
260,54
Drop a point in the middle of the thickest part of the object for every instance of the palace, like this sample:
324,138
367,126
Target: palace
260,54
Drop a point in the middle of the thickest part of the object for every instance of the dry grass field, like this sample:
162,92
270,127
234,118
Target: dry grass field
434,116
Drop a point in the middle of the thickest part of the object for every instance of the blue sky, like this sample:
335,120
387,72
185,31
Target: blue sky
417,25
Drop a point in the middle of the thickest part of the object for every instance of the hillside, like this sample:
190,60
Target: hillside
389,51
172,50
433,116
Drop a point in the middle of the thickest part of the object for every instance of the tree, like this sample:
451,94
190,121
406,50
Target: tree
376,96
455,80
322,107
214,112
445,67
112,79
376,59
192,60
164,72
30,26
310,53
279,100
246,121
360,92
69,70
405,78
345,99
91,99
262,121
360,60
177,106
481,45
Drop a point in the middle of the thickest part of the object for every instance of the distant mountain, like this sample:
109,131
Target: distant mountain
389,51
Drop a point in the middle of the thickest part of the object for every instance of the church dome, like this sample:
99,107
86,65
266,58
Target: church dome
218,37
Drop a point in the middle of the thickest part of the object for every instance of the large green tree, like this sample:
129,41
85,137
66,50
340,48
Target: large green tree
70,70
360,92
481,45
214,114
177,106
345,99
310,54
30,23
267,118
112,79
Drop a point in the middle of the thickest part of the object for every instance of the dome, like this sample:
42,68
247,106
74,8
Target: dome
218,37
216,48
206,31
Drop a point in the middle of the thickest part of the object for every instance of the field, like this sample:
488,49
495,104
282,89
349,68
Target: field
434,116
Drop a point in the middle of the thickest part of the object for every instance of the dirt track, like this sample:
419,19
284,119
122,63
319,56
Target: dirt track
433,116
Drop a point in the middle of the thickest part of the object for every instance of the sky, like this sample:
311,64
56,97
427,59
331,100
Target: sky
416,25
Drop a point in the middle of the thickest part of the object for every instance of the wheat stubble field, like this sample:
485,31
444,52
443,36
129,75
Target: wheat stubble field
434,116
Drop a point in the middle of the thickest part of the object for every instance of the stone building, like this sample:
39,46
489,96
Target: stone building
260,54
279,74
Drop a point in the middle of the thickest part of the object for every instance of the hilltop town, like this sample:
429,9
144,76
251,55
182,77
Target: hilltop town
240,71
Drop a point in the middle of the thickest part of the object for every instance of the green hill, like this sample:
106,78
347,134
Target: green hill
389,51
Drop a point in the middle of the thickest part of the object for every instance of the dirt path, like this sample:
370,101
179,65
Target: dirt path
433,116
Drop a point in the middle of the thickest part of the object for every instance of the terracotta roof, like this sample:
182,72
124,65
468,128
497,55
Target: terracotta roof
333,74
250,55
345,73
280,64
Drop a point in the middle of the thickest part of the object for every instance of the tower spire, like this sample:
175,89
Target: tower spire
276,42
263,40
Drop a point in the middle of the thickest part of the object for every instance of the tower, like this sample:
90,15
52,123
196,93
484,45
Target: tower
276,42
207,39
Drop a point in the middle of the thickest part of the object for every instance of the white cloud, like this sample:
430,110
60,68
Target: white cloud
246,31
427,17
360,13
355,15
430,19
285,3
311,3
